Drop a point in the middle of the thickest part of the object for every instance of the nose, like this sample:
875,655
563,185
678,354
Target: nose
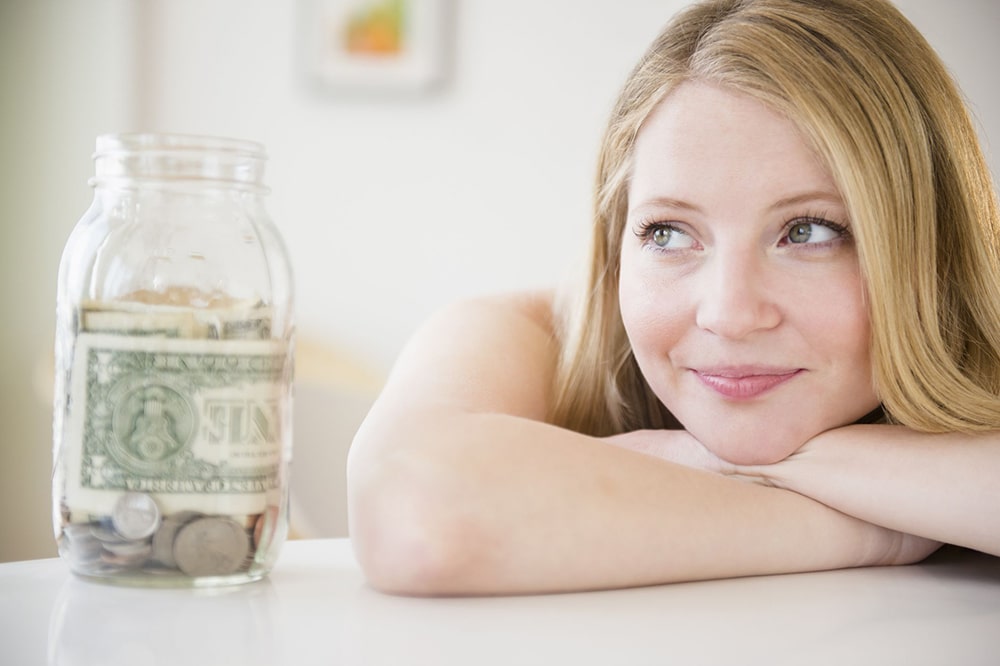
736,298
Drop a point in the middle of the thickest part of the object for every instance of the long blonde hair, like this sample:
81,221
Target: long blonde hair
872,97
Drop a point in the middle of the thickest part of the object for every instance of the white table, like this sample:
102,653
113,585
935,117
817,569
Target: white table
316,609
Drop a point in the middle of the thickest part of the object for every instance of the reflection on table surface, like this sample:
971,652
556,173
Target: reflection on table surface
316,609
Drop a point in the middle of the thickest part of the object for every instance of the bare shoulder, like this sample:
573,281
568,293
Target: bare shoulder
488,354
531,310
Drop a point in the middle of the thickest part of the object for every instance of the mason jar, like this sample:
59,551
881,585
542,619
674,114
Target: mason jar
174,357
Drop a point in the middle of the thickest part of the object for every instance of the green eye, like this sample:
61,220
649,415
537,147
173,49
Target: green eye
800,233
661,236
664,236
813,231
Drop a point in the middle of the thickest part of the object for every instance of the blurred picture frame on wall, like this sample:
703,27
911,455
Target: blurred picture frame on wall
375,46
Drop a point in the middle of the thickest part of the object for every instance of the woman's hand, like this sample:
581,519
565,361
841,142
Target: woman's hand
874,472
679,446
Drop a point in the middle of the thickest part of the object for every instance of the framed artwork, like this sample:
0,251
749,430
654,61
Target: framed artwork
375,45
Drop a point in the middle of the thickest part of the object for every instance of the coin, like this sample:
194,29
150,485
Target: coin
211,546
135,516
130,549
163,540
105,532
85,552
264,529
127,559
77,531
79,543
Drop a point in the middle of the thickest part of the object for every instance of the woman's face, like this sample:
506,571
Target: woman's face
740,289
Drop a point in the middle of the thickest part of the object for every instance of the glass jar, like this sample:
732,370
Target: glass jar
174,357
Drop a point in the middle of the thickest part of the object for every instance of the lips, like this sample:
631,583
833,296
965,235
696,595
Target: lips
744,383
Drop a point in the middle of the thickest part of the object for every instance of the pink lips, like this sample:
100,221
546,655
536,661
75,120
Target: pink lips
740,383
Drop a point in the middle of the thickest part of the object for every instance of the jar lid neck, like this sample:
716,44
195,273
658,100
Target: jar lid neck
179,157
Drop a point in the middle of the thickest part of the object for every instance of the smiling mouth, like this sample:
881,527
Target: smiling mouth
744,385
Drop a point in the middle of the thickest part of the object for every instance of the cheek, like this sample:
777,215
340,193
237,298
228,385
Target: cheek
652,313
839,321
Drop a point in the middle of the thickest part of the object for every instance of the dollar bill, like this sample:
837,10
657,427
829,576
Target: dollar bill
194,422
235,324
236,320
143,324
176,296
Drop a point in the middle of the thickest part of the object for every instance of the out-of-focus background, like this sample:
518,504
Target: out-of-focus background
394,197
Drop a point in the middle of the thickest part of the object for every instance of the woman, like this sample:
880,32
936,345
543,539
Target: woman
786,357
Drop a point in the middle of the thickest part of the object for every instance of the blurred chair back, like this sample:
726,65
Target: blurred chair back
333,393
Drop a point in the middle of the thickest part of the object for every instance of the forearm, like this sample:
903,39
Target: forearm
483,503
941,487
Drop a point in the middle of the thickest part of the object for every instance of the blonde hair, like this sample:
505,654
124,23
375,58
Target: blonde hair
872,97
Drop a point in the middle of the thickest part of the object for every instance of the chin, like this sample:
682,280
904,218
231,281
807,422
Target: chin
746,447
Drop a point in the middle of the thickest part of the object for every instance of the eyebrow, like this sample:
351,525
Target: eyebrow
666,202
805,197
794,200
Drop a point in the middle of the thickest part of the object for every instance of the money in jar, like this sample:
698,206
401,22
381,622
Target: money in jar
174,356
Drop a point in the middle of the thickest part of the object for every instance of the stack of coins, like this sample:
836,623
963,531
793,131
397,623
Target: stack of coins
136,537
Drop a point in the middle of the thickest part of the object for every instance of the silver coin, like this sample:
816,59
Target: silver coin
127,560
135,516
79,543
211,546
106,533
77,531
163,540
85,553
130,548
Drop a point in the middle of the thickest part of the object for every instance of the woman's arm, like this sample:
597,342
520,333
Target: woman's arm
457,486
942,487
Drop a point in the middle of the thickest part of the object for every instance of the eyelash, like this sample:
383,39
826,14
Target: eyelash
842,231
645,229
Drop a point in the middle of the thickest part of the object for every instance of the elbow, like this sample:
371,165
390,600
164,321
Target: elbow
405,554
408,540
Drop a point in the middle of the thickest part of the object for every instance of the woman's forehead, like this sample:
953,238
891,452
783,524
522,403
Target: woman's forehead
704,138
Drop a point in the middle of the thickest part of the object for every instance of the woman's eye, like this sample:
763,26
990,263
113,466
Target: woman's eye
669,238
804,232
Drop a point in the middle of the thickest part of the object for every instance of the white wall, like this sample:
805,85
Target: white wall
390,206
393,206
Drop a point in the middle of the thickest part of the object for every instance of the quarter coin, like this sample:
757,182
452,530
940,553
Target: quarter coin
211,546
163,540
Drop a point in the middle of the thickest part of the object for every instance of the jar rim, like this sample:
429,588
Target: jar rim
166,141
178,160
